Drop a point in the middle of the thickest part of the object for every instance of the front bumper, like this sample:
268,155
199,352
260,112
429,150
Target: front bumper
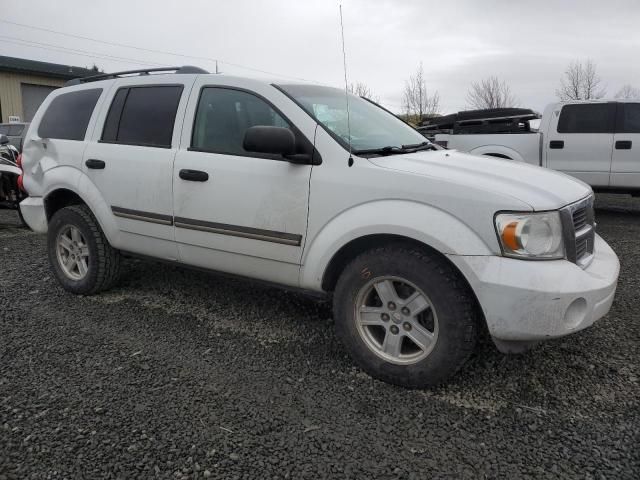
34,215
536,300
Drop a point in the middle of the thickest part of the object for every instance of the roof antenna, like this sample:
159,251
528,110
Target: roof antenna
346,87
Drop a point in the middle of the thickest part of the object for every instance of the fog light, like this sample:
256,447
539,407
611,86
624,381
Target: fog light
575,313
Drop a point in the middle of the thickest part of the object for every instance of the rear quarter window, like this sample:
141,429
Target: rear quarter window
68,115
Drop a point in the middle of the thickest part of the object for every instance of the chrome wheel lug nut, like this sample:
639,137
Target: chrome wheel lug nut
405,311
406,326
394,329
392,306
385,317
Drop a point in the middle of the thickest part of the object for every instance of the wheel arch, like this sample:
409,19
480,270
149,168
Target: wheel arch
60,194
499,151
355,247
359,245
60,198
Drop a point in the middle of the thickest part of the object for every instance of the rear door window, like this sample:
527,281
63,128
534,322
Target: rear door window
143,116
68,115
630,121
587,118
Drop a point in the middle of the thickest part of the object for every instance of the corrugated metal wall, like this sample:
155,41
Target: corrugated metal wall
11,92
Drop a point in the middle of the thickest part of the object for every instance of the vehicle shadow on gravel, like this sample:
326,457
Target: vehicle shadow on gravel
273,315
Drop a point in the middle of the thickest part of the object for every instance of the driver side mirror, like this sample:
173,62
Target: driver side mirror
274,140
3,139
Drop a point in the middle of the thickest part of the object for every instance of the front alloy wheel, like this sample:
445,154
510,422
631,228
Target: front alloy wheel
405,315
396,320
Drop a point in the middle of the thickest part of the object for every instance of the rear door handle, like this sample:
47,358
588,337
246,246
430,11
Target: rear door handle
623,145
95,164
193,175
556,144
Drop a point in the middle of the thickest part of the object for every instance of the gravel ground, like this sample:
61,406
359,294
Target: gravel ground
179,374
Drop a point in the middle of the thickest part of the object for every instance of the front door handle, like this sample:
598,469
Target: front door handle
94,164
556,144
623,145
193,175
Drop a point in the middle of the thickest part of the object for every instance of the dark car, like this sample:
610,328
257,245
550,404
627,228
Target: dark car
10,193
15,132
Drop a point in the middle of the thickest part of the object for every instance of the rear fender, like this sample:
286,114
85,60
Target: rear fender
72,179
500,150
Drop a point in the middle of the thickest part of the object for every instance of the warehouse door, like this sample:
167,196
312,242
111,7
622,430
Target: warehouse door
32,98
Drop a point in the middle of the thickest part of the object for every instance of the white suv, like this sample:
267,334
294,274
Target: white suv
420,247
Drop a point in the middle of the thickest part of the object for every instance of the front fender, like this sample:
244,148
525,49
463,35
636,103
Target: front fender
417,221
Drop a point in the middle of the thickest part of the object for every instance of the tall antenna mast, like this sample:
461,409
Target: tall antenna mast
346,85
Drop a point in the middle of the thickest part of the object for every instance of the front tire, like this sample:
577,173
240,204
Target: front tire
405,316
79,254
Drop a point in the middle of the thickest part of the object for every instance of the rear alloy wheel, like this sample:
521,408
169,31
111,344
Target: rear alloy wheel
405,315
79,253
73,252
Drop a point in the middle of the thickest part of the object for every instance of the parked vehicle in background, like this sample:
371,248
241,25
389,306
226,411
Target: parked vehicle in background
10,177
15,132
596,141
418,246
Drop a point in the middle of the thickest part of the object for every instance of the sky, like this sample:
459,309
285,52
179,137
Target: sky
527,44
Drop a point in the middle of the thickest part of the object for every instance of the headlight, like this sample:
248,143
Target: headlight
530,235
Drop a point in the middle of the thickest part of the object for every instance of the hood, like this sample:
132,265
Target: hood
541,188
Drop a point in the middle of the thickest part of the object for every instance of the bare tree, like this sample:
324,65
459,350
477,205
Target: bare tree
580,82
627,92
416,100
490,93
362,90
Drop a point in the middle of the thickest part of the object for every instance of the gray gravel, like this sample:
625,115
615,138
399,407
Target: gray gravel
179,374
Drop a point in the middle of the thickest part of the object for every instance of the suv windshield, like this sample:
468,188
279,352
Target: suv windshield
372,127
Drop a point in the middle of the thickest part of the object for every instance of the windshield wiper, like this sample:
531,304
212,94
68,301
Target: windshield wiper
388,150
395,150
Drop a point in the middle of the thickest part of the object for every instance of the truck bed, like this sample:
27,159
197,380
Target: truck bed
523,147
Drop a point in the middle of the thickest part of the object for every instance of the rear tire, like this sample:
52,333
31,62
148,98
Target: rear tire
420,337
79,254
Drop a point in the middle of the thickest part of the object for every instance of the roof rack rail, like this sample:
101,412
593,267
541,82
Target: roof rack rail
144,71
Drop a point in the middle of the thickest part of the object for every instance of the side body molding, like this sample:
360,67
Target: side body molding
414,220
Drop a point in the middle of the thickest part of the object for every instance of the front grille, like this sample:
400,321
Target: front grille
579,218
579,231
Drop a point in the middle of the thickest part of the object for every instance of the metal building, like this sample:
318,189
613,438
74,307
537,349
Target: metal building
24,84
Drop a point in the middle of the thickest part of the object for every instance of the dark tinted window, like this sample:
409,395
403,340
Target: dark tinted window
68,115
110,131
143,116
15,130
587,118
630,118
224,115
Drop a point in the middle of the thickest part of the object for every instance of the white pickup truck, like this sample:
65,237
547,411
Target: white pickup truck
596,141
